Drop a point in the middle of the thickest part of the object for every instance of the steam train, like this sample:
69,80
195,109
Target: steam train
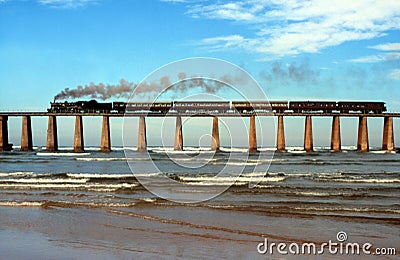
243,107
91,106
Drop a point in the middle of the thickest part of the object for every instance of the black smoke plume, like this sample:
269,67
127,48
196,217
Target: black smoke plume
294,72
98,91
124,89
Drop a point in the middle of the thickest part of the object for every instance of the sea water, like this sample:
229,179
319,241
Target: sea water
91,205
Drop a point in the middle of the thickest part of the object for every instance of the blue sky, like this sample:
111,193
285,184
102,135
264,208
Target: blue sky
331,50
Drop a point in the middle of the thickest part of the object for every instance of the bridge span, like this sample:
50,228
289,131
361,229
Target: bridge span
200,114
105,143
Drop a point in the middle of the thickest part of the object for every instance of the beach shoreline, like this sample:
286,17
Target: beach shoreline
181,231
90,205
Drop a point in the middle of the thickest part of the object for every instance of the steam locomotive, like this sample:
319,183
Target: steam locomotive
243,107
91,106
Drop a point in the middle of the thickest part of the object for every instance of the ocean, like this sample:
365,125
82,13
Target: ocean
89,205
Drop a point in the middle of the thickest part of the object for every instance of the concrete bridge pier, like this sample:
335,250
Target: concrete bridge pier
4,145
178,143
388,134
52,139
26,135
362,144
336,143
252,135
308,136
280,140
105,144
215,144
142,140
78,136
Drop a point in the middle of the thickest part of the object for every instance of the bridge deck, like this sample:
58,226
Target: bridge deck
196,114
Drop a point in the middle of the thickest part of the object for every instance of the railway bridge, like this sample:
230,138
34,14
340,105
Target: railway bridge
105,144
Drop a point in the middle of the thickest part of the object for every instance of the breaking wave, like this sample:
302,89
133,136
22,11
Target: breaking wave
61,154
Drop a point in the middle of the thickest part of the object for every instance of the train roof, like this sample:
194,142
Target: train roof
312,101
260,101
362,102
144,102
201,101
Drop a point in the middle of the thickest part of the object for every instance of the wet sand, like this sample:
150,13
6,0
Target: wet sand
89,206
183,231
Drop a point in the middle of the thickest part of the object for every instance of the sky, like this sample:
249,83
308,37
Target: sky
295,50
